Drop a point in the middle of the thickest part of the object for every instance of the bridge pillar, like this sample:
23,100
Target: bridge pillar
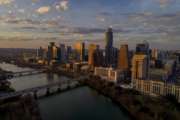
20,74
59,88
47,91
68,85
35,94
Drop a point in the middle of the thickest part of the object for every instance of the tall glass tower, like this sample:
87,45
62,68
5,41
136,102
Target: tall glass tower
109,38
109,47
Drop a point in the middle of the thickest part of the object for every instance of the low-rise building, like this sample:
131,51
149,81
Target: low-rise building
157,88
78,65
108,73
158,74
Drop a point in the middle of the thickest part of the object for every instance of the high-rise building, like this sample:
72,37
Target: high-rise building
123,58
52,52
139,67
108,47
80,50
40,53
91,52
62,53
142,48
109,38
114,57
154,54
69,53
98,57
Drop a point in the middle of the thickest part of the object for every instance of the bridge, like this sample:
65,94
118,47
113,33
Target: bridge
27,73
59,86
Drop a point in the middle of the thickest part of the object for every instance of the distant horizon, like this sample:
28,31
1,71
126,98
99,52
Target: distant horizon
67,21
131,47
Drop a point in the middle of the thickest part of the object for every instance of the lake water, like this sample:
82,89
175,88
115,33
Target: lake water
78,104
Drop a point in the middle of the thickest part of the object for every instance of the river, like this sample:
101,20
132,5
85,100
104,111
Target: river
78,104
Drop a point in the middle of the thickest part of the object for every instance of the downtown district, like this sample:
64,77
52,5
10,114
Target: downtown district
150,71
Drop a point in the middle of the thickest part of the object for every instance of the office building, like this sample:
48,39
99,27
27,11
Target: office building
123,58
142,48
40,52
91,54
69,53
98,57
108,47
52,52
157,88
154,54
109,38
108,74
80,51
139,67
62,54
114,57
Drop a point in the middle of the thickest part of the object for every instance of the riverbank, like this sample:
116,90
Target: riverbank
82,103
20,108
4,84
5,74
138,106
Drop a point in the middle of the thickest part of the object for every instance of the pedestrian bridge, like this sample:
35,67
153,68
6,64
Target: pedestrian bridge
27,73
46,89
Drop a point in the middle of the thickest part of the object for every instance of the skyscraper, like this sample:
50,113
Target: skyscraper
52,52
109,38
40,53
80,50
69,53
62,53
108,47
123,58
154,54
142,48
98,57
139,67
91,52
114,57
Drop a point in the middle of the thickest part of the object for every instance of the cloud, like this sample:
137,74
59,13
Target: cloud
35,1
62,5
103,16
21,10
4,2
108,14
164,3
43,9
100,19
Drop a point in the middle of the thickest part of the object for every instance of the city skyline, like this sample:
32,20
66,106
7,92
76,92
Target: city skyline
67,21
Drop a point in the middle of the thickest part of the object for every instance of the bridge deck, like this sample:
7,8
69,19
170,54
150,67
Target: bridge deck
36,89
27,73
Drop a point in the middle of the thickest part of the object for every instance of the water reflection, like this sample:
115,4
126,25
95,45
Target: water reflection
25,82
79,104
50,77
13,68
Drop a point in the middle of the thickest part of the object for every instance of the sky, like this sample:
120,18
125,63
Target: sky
34,23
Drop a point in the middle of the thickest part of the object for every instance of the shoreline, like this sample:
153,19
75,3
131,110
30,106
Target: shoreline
132,102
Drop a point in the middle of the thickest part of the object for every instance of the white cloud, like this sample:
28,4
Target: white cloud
100,19
4,2
35,1
43,9
21,10
164,3
63,5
